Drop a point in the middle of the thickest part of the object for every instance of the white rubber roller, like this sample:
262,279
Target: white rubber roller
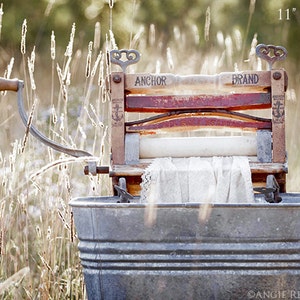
198,146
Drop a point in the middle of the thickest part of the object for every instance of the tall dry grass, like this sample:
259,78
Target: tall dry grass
67,102
66,97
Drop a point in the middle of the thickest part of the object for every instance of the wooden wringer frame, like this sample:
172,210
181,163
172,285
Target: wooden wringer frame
144,107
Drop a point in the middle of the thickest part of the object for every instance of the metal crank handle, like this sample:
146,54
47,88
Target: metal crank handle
41,137
9,84
17,86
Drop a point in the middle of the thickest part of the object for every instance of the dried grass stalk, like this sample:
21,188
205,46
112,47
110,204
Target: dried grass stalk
10,67
93,73
196,34
170,59
207,24
14,279
89,60
30,63
137,36
152,35
97,36
112,40
1,15
30,118
8,72
52,46
23,38
49,7
60,162
69,50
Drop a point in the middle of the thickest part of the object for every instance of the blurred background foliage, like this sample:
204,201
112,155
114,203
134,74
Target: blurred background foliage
127,17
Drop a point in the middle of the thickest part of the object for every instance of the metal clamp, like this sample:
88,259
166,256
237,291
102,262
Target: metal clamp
271,191
271,53
132,56
121,189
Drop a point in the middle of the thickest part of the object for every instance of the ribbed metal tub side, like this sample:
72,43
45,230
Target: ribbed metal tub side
238,250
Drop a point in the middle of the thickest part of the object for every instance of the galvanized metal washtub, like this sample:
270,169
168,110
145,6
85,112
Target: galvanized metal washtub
237,252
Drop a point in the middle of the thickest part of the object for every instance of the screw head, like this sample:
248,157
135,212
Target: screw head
117,78
277,75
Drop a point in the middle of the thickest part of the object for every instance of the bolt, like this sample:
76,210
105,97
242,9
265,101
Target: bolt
277,75
117,78
99,170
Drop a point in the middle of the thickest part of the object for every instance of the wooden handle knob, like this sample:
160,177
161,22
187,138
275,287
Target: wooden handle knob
9,84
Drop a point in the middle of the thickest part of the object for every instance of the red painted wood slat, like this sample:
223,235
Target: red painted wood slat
161,103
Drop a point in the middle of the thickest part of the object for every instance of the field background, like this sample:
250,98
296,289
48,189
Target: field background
59,49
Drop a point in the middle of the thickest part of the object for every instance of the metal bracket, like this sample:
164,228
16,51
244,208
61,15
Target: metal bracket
131,57
271,191
124,196
271,53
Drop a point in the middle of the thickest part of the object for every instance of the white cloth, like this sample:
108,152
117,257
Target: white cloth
198,179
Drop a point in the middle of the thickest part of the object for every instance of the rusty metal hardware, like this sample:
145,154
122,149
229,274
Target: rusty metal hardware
131,57
271,53
99,170
271,191
121,189
117,78
277,75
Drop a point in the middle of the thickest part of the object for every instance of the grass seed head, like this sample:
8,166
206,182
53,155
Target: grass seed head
31,71
207,24
23,38
52,47
1,15
97,36
69,50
